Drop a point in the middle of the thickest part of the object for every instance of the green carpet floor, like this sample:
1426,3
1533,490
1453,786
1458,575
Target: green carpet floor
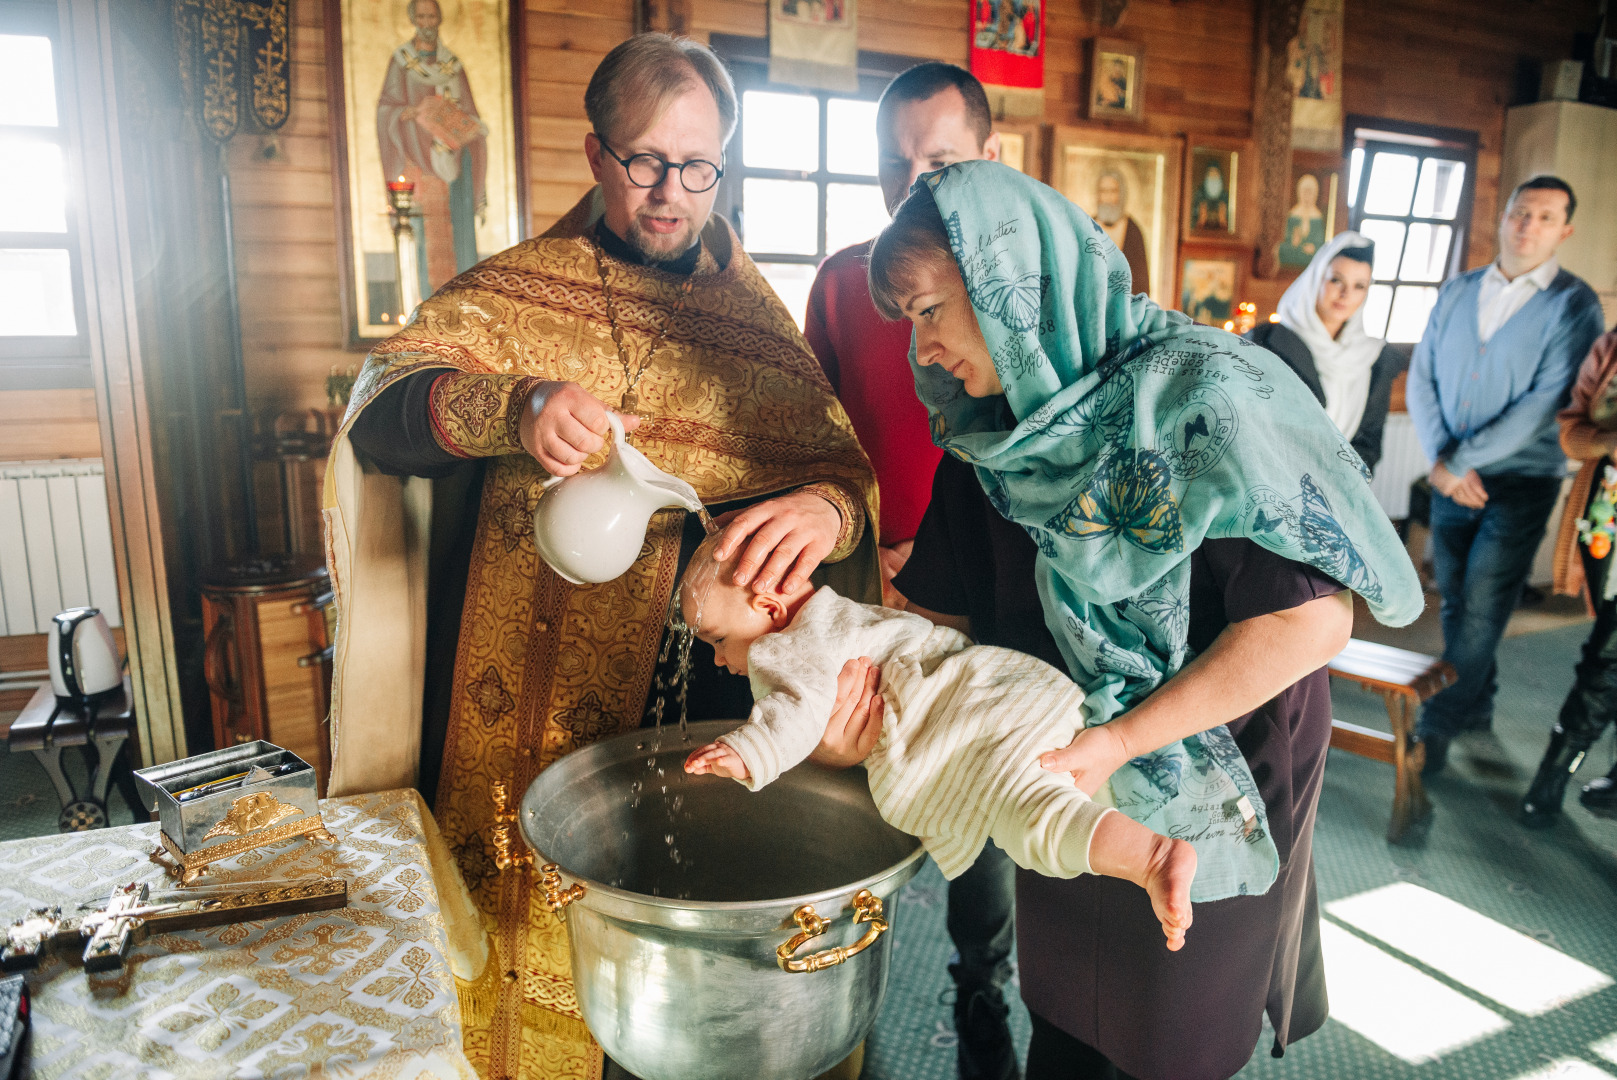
1558,887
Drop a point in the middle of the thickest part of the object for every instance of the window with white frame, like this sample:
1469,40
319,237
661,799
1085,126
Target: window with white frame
802,179
1409,191
41,317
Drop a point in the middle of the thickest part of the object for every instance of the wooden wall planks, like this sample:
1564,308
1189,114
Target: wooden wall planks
1454,63
1401,61
38,424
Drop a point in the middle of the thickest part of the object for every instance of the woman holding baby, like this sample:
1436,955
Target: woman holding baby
1166,514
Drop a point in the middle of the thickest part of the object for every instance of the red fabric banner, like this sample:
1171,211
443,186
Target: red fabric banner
1007,43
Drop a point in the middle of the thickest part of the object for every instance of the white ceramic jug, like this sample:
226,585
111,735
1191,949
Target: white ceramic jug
591,526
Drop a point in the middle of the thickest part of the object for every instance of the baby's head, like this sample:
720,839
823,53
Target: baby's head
728,616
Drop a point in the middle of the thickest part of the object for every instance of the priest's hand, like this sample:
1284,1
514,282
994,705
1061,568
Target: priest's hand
855,723
562,424
788,538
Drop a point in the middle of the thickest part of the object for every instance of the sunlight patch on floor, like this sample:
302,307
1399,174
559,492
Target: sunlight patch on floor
1606,1048
1403,1010
1470,948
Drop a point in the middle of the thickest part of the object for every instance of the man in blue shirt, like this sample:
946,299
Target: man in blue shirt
1497,360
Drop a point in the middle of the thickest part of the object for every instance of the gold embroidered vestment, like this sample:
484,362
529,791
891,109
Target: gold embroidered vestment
735,403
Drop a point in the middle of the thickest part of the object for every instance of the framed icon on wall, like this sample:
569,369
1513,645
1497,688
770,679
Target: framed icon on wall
422,94
1116,80
1130,185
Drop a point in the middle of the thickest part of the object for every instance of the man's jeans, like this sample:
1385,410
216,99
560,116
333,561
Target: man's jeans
1482,558
982,920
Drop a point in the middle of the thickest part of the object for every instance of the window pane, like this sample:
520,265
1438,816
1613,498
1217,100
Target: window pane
780,131
1376,306
1389,241
33,196
1410,307
1392,184
30,97
1355,170
850,137
791,282
781,216
36,293
1426,252
853,213
1438,195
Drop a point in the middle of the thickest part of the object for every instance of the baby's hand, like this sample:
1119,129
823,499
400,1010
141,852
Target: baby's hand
718,759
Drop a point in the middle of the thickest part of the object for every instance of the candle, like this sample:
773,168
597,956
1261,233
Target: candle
401,185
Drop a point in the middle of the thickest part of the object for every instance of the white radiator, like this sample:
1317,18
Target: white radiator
55,543
1402,463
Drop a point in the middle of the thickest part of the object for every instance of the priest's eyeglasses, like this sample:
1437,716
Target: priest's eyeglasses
648,170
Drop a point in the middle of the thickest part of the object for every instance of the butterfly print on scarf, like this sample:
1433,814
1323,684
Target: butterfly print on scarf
1107,411
1168,609
1128,496
1323,538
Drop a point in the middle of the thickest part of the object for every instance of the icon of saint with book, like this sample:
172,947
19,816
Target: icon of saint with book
431,134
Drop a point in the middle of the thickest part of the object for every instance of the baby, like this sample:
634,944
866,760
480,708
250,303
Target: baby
963,727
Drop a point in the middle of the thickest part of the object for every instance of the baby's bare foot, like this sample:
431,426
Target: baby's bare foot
1167,881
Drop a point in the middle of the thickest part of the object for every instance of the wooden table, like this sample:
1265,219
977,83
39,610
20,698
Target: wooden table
1404,679
365,990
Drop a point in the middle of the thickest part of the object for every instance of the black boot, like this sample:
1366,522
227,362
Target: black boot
1600,796
1542,803
982,1023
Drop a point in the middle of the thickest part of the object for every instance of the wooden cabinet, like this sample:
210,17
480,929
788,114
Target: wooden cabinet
267,657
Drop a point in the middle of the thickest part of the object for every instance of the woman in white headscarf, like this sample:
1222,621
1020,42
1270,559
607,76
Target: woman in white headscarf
1320,334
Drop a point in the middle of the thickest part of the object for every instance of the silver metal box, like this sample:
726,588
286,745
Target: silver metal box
220,804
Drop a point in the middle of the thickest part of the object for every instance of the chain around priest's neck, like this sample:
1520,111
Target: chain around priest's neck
633,373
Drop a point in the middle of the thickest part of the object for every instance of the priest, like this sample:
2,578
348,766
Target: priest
462,660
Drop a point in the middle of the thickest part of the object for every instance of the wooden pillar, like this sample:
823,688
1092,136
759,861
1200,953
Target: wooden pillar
96,169
1278,21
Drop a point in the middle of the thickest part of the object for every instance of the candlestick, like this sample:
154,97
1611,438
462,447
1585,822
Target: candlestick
401,198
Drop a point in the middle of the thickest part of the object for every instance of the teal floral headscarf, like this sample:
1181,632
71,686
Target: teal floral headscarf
1128,435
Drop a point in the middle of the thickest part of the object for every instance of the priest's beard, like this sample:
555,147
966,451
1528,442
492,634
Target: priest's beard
1109,213
656,248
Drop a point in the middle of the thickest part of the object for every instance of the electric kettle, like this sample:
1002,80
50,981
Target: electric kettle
591,526
83,656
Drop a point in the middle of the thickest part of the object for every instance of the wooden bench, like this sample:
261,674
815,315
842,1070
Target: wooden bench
46,728
1404,679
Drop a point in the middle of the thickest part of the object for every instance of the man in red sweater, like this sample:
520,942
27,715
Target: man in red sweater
932,115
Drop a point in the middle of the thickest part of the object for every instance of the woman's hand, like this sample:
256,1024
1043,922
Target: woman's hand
789,536
892,561
562,424
719,759
855,723
1092,757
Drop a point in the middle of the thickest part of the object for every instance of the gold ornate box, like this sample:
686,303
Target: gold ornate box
217,805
